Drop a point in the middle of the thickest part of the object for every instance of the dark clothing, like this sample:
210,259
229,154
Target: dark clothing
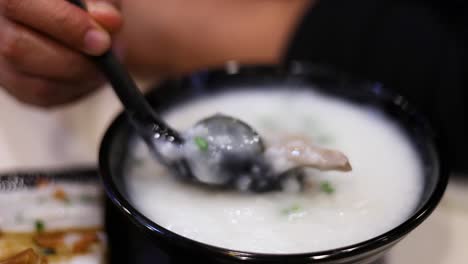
418,48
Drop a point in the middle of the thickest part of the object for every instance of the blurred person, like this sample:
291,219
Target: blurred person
416,47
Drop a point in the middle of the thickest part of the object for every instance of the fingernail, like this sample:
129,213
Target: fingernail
102,7
96,42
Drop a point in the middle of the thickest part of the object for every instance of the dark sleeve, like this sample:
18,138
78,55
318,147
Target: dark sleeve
414,47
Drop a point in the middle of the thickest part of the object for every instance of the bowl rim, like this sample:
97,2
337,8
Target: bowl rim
392,235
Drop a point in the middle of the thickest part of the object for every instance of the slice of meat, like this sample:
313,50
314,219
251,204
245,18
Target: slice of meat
298,151
27,256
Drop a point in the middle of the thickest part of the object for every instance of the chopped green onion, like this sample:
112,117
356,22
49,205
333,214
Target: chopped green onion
327,187
40,226
292,209
201,143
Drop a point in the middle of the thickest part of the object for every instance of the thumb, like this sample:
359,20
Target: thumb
106,14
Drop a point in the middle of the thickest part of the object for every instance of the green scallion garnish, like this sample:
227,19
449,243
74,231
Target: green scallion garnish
40,226
292,209
326,187
201,143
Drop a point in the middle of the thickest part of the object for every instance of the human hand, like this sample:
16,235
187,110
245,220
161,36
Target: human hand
42,47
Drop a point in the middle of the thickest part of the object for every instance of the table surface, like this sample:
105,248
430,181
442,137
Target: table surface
36,139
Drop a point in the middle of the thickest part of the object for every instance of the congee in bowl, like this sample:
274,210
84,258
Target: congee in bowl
394,183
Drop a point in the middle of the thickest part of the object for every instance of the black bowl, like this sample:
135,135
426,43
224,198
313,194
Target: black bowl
170,93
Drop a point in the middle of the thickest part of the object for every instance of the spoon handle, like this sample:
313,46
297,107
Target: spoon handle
141,114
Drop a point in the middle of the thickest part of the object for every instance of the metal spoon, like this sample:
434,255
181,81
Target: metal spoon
237,160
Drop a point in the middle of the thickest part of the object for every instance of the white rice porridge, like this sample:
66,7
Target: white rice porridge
338,209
